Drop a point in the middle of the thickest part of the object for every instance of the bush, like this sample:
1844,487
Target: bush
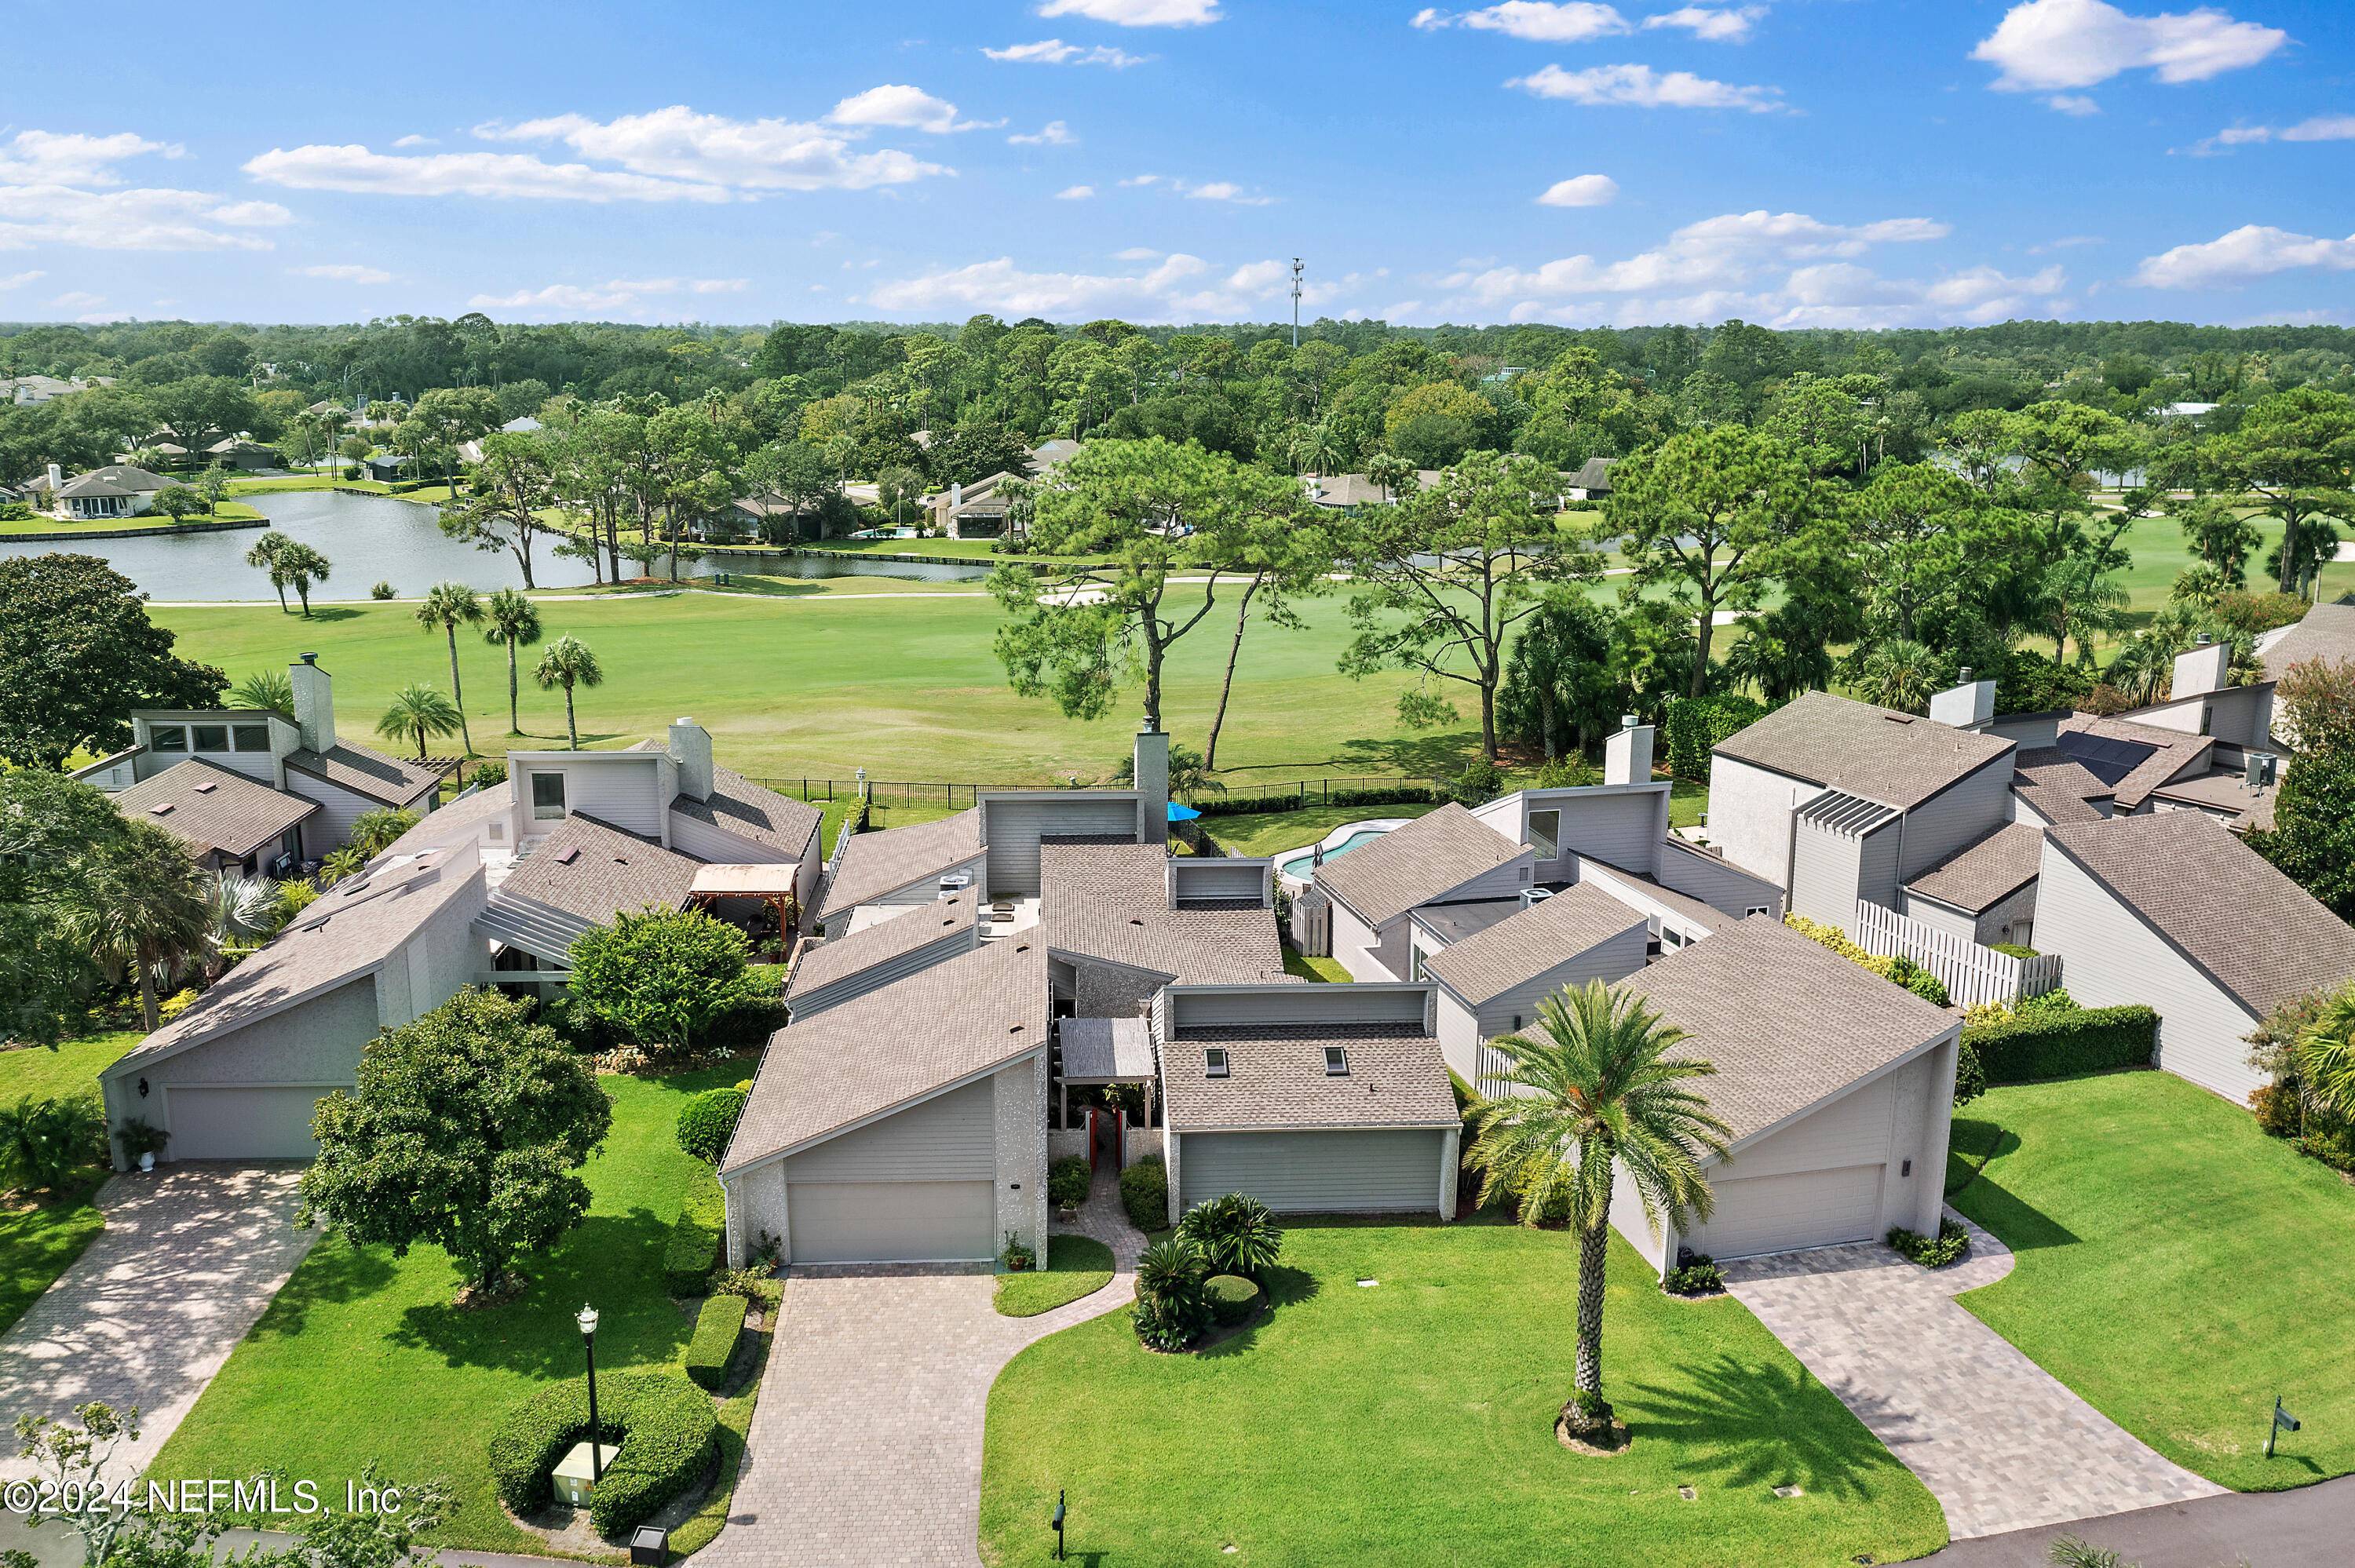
2012,950
1952,1243
1895,967
668,1429
755,1284
1230,1298
2058,1044
1905,972
707,1121
1170,1312
487,774
1068,1181
1478,782
15,512
42,1142
1236,1234
693,1251
1145,1193
717,1328
1238,806
381,590
1971,1078
1247,805
1701,1277
1696,724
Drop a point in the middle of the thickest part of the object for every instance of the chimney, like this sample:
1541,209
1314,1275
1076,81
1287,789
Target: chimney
1152,785
314,704
56,480
2202,669
1967,704
691,747
956,494
1627,756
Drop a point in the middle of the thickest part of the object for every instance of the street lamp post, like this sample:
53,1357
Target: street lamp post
588,1321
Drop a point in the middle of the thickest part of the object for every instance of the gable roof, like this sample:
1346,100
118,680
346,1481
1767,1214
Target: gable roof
215,808
1112,902
2057,786
821,963
1787,1023
1898,759
592,870
1992,867
113,478
1277,1077
1428,858
2327,631
878,863
1523,945
365,771
2260,935
2135,759
753,812
460,819
892,1047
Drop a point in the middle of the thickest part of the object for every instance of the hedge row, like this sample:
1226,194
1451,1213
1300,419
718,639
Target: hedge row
1246,805
1145,1193
2061,1043
717,1328
1695,724
665,1427
693,1252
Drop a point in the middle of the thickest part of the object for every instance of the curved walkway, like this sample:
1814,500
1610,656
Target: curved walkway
866,1446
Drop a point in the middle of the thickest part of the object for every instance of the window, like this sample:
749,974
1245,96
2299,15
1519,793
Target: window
167,737
1214,1062
211,736
252,737
1525,873
1517,1024
1336,1062
1671,938
1545,833
547,797
1418,973
1756,909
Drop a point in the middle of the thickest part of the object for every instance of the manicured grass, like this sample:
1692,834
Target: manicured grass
1076,1267
72,1068
2177,1267
1317,970
1687,801
1411,1423
305,482
38,1244
735,1425
362,1354
147,522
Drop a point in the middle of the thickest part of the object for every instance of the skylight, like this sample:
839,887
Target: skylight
1214,1062
1336,1061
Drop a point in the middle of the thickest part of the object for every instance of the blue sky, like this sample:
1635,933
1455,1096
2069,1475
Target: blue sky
1837,163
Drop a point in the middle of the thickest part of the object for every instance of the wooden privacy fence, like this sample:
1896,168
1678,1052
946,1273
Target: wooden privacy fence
1972,974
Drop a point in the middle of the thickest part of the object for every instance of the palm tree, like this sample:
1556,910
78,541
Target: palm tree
1596,1094
1391,471
515,620
568,663
333,423
235,906
301,565
265,690
2077,599
340,862
1902,676
142,907
418,710
444,609
2325,1053
264,554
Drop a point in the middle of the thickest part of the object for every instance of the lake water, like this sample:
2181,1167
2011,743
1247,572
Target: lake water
369,539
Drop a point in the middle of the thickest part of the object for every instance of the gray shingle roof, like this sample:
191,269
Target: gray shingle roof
838,957
215,808
1277,1077
1695,911
1786,1023
1100,1049
1896,758
753,812
2173,752
114,479
455,820
368,772
887,1049
2057,785
589,870
1993,868
2327,633
2261,936
2223,789
1112,902
1427,859
1517,950
878,863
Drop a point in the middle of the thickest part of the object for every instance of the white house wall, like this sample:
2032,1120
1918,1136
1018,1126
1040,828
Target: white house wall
1355,945
443,954
1716,883
1622,823
949,1138
623,789
338,809
1963,812
1749,815
2237,715
1013,827
1018,1118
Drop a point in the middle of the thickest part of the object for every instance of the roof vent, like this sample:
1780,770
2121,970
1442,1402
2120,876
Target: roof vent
568,856
1898,718
207,787
1014,1029
1023,948
1134,921
161,808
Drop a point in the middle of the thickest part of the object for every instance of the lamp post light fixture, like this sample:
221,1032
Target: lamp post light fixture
588,1321
1059,1525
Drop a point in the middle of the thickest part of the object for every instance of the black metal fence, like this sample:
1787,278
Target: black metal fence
1312,791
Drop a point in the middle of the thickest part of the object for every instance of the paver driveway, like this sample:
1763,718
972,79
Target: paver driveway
1999,1442
867,1444
191,1255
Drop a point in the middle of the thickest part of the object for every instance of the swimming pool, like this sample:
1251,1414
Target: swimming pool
1299,865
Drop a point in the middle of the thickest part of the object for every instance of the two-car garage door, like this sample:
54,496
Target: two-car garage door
273,1123
1377,1172
916,1187
1785,1213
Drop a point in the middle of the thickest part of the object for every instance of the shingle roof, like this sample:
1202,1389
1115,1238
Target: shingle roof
1992,867
1786,1023
455,820
1112,902
2223,789
753,812
1896,758
877,863
1277,1077
114,479
368,772
1100,1049
2261,936
593,871
876,1053
1696,911
838,957
2171,752
1514,951
2327,633
214,808
1427,859
2056,785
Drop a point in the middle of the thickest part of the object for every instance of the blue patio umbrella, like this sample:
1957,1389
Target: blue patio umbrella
1181,812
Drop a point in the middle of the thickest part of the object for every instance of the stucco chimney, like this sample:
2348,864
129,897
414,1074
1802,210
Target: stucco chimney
1627,756
1152,785
314,704
1967,704
691,747
2203,669
56,480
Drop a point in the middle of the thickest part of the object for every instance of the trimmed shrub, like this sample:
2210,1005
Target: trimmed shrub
1245,805
1701,1277
1248,805
1971,1078
1696,724
1170,1312
1068,1181
2058,1044
708,1120
717,1328
693,1252
2012,950
667,1427
1236,1232
1145,1193
1230,1297
1952,1243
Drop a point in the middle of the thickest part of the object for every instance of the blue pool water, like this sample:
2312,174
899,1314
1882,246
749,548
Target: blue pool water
1298,865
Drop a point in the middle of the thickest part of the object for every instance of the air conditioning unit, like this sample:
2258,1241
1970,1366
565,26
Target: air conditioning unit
956,882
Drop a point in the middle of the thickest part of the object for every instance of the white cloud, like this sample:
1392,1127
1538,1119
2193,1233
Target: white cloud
2321,128
906,108
2073,103
1640,86
413,140
614,295
51,193
1054,51
1180,287
1141,179
1075,192
1571,22
77,302
1137,253
2046,44
348,272
1137,13
1730,26
355,168
45,158
1580,190
20,280
2248,252
1055,135
1222,190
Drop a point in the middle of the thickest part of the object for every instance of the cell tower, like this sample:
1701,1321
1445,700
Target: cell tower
1296,302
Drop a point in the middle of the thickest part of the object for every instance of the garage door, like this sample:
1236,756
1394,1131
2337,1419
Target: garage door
891,1222
243,1124
1785,1214
1313,1173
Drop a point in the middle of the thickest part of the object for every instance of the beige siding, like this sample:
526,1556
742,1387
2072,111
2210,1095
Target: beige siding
1749,815
1826,870
1963,812
1373,1171
1459,1038
338,809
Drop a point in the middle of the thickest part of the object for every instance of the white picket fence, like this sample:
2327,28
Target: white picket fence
1972,974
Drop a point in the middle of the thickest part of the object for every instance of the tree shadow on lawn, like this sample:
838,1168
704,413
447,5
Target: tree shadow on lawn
534,1334
1735,1421
334,1272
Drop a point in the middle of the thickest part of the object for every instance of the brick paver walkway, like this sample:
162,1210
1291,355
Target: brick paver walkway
866,1447
191,1254
1999,1442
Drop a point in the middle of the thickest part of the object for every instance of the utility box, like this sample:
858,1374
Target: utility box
574,1478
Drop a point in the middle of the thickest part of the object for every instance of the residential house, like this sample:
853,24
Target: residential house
233,824
1593,480
1347,491
117,490
1493,962
570,882
829,971
1448,856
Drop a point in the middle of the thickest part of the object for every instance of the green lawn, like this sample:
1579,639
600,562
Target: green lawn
1314,970
1274,833
363,1355
2177,1267
1411,1422
37,1243
1076,1267
72,1068
228,512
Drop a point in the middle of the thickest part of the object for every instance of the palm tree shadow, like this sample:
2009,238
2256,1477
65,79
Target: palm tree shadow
1735,1421
335,612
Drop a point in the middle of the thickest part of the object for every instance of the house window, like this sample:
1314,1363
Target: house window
167,737
1336,1062
1671,938
1418,973
547,797
1545,833
1755,909
252,737
1525,873
1214,1062
211,736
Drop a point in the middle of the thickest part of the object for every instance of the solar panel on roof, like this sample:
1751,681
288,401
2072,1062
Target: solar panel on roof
2106,760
